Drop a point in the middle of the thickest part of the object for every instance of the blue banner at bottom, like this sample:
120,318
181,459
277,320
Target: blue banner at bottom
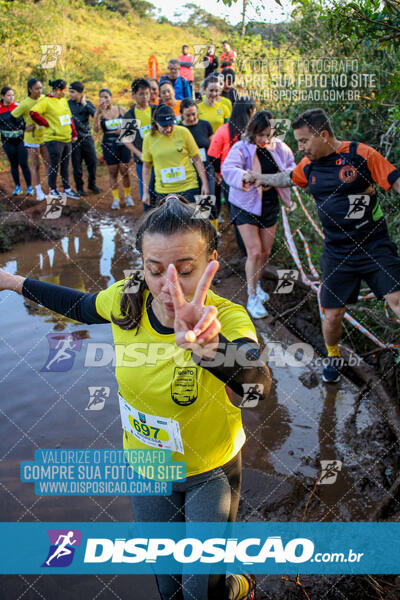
148,548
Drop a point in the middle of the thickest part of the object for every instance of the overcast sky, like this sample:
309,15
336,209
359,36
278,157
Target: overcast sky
272,13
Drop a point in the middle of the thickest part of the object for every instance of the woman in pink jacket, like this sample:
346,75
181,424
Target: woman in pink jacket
255,210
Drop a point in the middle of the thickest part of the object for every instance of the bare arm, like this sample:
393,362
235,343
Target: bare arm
146,173
11,282
282,179
396,185
96,120
198,163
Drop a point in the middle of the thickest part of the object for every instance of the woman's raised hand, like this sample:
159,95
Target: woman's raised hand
196,325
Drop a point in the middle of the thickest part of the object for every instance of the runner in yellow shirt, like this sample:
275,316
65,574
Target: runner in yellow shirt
34,134
53,113
175,156
212,109
180,401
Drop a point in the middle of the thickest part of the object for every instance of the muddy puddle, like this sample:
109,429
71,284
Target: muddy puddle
303,422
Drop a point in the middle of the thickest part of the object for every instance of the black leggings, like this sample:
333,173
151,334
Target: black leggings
211,496
17,155
59,153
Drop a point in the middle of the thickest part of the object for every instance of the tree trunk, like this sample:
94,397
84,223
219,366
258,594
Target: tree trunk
245,2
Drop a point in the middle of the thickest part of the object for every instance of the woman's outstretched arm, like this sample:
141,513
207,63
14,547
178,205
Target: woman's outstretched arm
71,303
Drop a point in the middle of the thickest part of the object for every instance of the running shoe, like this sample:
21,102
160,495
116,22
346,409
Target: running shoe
40,195
243,586
71,194
30,191
129,201
95,189
255,307
115,204
81,193
54,194
261,294
17,191
331,371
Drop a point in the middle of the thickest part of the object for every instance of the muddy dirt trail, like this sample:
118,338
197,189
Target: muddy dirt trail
303,422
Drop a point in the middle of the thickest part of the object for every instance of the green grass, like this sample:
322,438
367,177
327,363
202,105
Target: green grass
99,47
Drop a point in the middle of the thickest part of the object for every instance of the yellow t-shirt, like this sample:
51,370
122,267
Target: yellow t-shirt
144,116
57,113
216,115
36,136
170,156
228,103
210,425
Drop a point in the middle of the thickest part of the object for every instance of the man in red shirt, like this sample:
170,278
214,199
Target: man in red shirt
186,62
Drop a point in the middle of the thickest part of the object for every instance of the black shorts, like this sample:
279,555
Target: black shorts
114,153
268,217
378,266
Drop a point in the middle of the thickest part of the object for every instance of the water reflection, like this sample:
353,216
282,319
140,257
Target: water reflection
89,259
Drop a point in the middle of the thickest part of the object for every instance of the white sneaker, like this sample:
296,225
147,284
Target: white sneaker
255,307
129,201
261,294
115,204
40,195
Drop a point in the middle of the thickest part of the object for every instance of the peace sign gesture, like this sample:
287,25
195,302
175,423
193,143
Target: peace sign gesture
195,325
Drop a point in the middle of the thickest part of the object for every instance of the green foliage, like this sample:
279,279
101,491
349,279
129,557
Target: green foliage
200,19
377,21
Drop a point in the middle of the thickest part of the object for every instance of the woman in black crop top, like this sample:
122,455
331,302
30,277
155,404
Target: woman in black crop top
109,119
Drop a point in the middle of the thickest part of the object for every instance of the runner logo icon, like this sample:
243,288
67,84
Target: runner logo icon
357,206
63,543
287,278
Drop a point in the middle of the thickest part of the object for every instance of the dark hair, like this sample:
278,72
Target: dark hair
57,84
257,124
185,46
109,92
153,79
228,74
211,79
226,42
240,116
186,103
139,84
4,90
164,81
30,83
173,215
315,119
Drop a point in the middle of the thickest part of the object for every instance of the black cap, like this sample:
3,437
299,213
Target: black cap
77,86
165,115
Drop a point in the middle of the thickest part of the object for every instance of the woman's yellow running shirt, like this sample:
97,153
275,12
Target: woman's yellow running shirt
57,113
160,379
170,156
216,115
36,136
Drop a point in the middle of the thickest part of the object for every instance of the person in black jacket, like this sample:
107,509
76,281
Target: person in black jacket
83,148
211,62
12,139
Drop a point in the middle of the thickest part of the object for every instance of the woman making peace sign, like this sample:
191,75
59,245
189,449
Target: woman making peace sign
174,305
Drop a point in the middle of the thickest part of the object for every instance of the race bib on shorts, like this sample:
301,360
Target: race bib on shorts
143,130
157,432
65,119
202,152
173,174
